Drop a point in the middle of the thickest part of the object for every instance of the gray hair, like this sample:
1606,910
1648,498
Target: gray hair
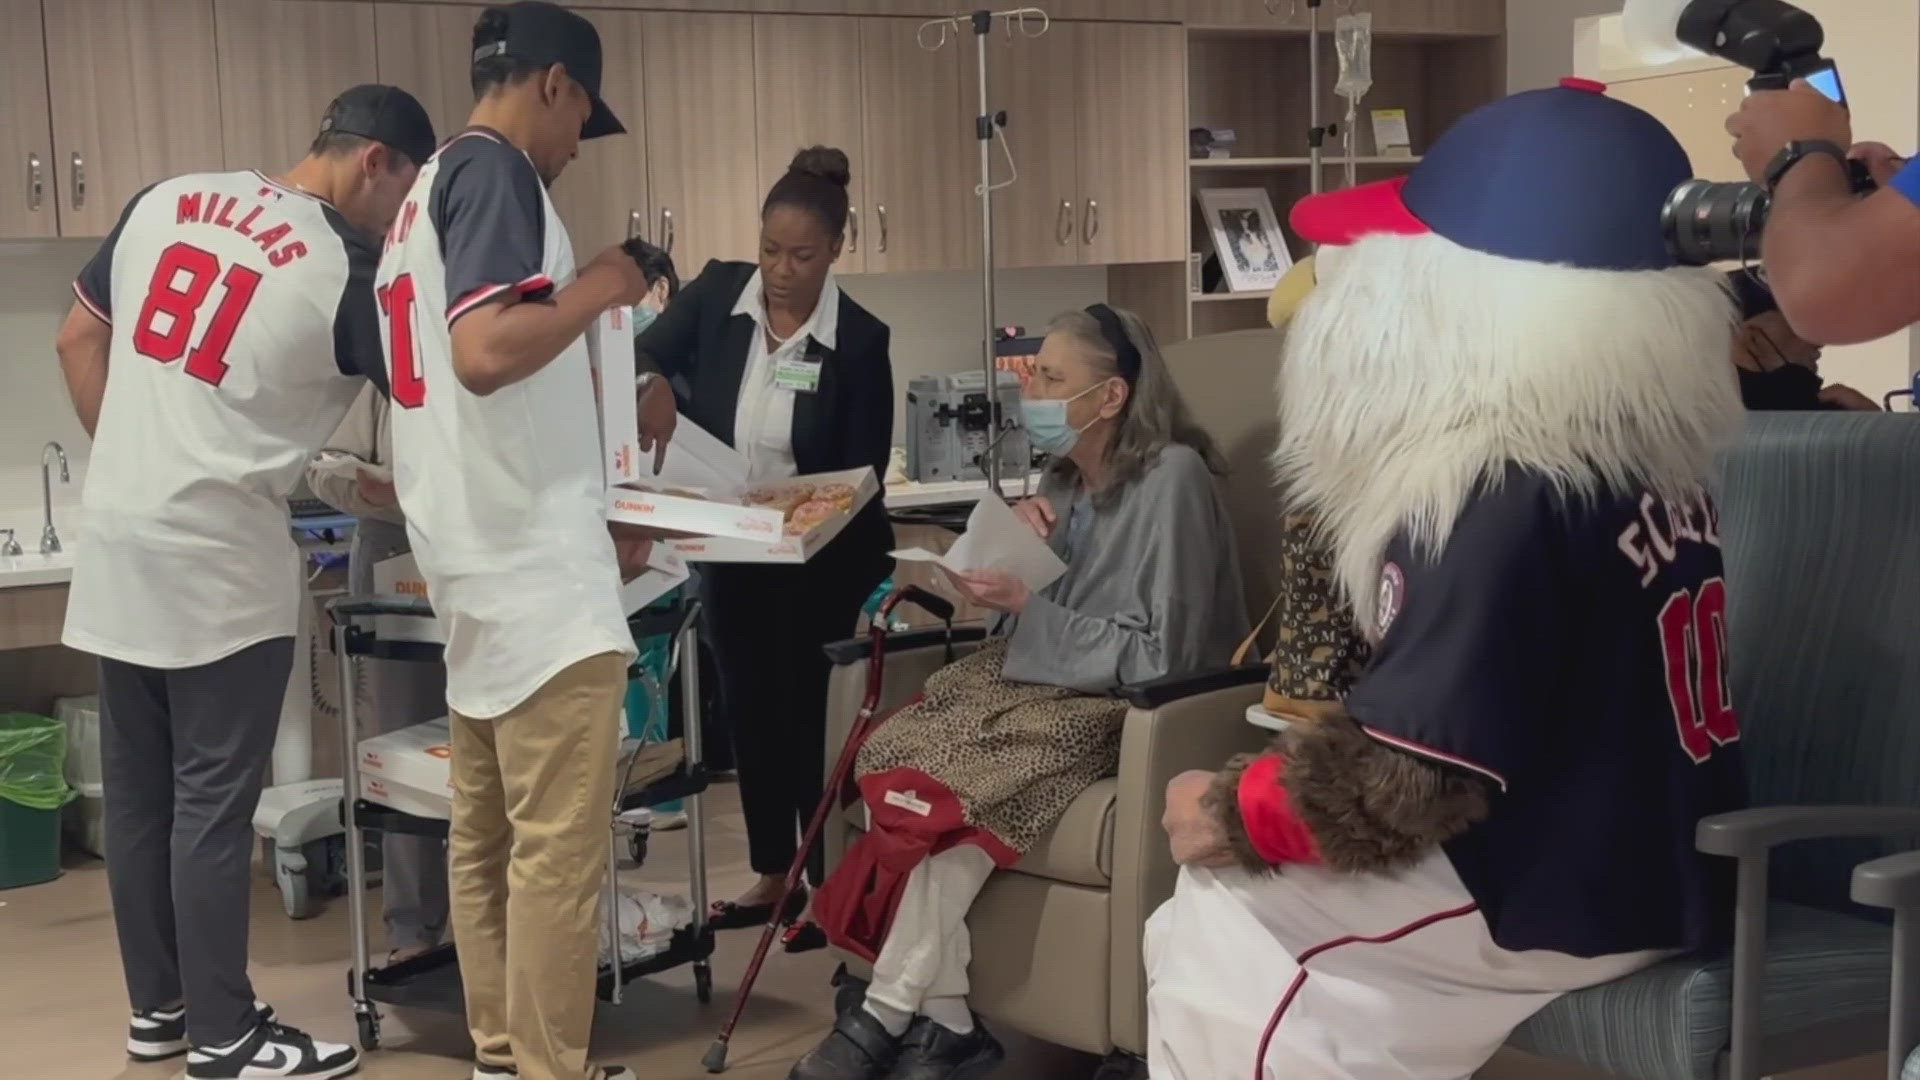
1155,415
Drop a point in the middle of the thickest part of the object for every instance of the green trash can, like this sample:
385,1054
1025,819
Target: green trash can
33,788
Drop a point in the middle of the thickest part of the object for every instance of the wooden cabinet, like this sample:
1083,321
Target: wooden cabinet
1097,125
135,97
1036,221
701,164
807,93
1133,124
427,49
28,178
920,147
602,195
282,62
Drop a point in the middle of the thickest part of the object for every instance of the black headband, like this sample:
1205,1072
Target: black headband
1115,332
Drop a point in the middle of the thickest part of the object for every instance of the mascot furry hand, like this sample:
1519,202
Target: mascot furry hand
1500,399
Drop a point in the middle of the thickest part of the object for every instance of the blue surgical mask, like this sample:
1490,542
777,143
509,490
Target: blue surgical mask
1048,429
643,316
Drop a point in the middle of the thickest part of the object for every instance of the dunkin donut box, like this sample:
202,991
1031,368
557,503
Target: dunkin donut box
409,770
702,489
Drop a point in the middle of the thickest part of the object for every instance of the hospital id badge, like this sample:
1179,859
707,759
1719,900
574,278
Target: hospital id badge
797,373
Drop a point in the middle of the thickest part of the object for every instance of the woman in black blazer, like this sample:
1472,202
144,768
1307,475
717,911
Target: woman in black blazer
778,362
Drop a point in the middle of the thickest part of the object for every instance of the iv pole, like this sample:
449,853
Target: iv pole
986,124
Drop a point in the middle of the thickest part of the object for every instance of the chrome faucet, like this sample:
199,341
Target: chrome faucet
50,540
12,546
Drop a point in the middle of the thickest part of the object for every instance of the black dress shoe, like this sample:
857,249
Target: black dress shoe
932,1052
727,915
857,1048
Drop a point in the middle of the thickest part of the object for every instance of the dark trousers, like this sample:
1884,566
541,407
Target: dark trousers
770,625
183,754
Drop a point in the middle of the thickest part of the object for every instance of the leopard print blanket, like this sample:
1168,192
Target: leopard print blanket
1016,754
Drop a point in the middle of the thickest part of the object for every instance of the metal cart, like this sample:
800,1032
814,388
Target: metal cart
432,980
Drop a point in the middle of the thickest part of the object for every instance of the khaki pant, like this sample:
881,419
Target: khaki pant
527,850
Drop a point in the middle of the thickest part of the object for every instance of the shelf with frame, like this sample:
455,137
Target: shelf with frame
1257,84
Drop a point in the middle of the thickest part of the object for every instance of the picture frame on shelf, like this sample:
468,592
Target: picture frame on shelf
1246,237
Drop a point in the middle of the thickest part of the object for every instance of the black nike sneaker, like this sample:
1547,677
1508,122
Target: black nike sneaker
272,1051
159,1034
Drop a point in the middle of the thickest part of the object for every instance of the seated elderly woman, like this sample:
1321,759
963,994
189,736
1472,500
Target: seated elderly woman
970,775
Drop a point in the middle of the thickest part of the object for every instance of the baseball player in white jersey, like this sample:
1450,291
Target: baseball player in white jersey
497,461
217,338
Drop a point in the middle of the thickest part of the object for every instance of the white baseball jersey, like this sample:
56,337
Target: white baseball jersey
505,495
242,314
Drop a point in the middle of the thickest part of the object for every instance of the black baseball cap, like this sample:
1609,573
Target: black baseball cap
545,34
385,114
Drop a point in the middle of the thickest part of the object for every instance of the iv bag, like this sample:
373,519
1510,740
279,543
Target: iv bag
1353,40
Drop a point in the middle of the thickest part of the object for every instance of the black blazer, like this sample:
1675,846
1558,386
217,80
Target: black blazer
847,422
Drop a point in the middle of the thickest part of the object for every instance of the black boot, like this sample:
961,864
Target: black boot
932,1052
857,1048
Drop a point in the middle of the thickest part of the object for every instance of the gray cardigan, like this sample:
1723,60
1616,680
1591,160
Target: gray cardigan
1152,586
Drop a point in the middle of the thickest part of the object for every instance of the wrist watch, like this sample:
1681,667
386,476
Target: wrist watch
1798,151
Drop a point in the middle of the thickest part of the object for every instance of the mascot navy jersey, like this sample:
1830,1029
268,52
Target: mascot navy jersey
1571,649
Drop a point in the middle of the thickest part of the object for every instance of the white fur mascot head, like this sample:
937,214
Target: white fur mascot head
1511,301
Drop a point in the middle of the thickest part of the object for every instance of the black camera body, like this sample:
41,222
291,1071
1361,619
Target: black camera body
1707,221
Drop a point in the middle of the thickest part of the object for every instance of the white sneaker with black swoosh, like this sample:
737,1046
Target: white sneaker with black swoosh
272,1050
159,1034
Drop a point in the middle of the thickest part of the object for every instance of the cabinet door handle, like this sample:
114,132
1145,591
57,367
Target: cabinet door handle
633,224
881,210
853,229
1063,226
666,230
1092,228
36,181
79,181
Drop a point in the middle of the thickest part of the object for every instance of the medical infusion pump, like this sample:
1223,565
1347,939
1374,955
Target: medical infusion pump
951,424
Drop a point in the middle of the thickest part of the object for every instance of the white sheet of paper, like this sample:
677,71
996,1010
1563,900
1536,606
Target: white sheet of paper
698,461
996,539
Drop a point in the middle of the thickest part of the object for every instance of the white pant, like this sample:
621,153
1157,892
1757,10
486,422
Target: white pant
928,948
1432,1003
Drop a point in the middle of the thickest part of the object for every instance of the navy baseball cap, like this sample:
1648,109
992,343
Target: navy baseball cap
545,34
385,114
1566,176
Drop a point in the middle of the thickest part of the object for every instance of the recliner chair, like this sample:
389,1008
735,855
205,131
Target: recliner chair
1057,939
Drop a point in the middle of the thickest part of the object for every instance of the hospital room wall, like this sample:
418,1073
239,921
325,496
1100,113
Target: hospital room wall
1877,43
935,319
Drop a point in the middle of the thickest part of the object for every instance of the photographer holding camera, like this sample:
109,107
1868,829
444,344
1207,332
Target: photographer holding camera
1844,267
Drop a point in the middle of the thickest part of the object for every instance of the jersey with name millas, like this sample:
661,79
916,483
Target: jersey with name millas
505,494
242,314
1572,651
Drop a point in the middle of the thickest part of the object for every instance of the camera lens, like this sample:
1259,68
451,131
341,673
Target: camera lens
1708,222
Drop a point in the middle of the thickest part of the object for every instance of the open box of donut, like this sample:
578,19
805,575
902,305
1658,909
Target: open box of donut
702,488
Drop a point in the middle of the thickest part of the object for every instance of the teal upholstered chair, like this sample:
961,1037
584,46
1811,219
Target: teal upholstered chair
1820,518
1893,882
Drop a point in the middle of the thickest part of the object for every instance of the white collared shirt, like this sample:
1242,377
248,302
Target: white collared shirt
763,418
